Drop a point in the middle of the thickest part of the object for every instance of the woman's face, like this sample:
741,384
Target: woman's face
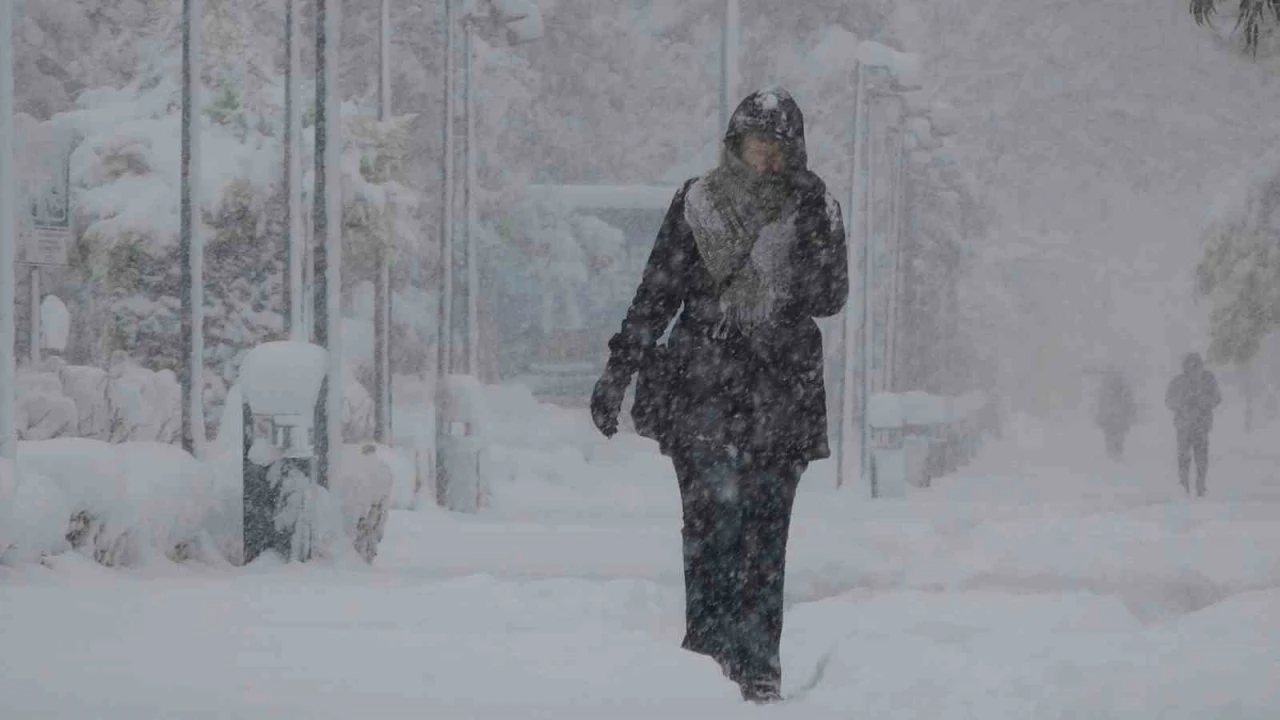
763,154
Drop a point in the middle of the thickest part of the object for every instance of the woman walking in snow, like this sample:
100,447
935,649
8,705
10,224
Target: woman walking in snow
748,255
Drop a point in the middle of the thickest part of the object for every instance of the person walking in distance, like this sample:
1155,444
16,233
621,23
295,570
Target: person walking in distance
1117,411
1192,396
748,255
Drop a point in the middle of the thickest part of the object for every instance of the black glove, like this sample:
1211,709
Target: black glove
606,400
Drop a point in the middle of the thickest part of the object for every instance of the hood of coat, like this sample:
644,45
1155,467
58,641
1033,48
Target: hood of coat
774,113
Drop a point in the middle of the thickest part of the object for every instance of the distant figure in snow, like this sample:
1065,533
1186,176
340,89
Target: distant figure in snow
1192,396
752,251
1117,411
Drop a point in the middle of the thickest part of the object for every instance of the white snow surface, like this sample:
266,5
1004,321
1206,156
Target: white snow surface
1042,581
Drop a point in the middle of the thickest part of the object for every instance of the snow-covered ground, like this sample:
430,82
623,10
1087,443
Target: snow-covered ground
1043,581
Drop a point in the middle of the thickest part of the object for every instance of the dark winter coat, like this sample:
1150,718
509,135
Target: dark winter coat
760,393
1192,396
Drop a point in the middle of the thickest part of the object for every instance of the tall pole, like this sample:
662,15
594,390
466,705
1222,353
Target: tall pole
469,204
868,276
382,285
8,229
444,331
853,235
33,351
328,235
191,241
444,306
294,251
728,61
895,237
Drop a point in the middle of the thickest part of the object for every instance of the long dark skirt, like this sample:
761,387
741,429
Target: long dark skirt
737,514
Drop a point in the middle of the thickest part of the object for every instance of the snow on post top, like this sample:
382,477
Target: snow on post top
283,378
905,67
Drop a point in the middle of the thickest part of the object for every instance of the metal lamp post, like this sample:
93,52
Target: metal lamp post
8,229
294,248
872,81
191,240
523,23
327,220
382,284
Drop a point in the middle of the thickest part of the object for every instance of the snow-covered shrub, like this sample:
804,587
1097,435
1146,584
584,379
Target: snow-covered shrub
87,388
143,406
169,497
405,480
362,487
126,503
42,412
34,515
357,409
123,284
86,473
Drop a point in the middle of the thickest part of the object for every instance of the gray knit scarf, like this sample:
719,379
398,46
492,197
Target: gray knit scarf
743,223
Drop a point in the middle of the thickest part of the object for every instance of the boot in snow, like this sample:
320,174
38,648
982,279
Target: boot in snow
761,692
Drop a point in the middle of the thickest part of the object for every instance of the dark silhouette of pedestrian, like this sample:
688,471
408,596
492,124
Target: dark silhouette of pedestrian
1192,396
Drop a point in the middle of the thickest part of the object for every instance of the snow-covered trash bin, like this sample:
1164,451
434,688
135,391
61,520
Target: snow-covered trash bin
888,462
923,415
280,384
462,451
970,407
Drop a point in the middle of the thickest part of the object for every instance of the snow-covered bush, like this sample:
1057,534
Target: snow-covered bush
123,283
42,412
86,473
143,405
122,504
34,516
362,488
87,388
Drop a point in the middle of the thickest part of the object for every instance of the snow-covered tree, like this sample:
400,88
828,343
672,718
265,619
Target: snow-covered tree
1240,271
